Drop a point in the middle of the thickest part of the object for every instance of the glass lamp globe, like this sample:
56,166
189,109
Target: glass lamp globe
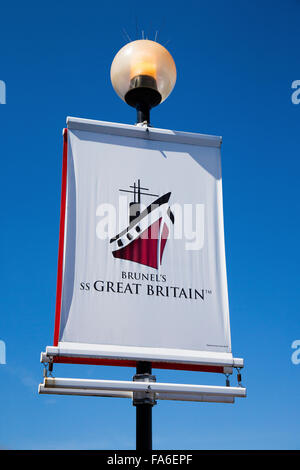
143,74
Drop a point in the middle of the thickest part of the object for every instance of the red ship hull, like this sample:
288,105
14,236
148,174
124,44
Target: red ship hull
148,248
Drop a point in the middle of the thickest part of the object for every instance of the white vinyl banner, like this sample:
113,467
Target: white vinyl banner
144,272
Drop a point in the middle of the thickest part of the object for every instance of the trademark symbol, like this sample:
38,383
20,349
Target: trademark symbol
207,291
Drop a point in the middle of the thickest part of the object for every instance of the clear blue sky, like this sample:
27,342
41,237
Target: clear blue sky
236,61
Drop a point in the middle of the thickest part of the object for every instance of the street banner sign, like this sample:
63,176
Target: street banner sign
141,271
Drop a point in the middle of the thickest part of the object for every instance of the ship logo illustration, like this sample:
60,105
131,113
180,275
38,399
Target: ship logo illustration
145,238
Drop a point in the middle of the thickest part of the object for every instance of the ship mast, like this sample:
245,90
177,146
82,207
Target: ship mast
135,205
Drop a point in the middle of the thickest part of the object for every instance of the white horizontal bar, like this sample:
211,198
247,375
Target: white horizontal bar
104,351
156,387
199,398
84,392
158,396
137,132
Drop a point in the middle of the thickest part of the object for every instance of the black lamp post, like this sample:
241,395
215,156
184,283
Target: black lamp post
143,74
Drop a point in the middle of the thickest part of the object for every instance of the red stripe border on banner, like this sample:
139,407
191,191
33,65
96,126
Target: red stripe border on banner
61,238
130,363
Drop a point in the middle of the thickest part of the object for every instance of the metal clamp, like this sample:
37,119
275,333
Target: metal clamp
48,368
227,380
147,397
239,377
